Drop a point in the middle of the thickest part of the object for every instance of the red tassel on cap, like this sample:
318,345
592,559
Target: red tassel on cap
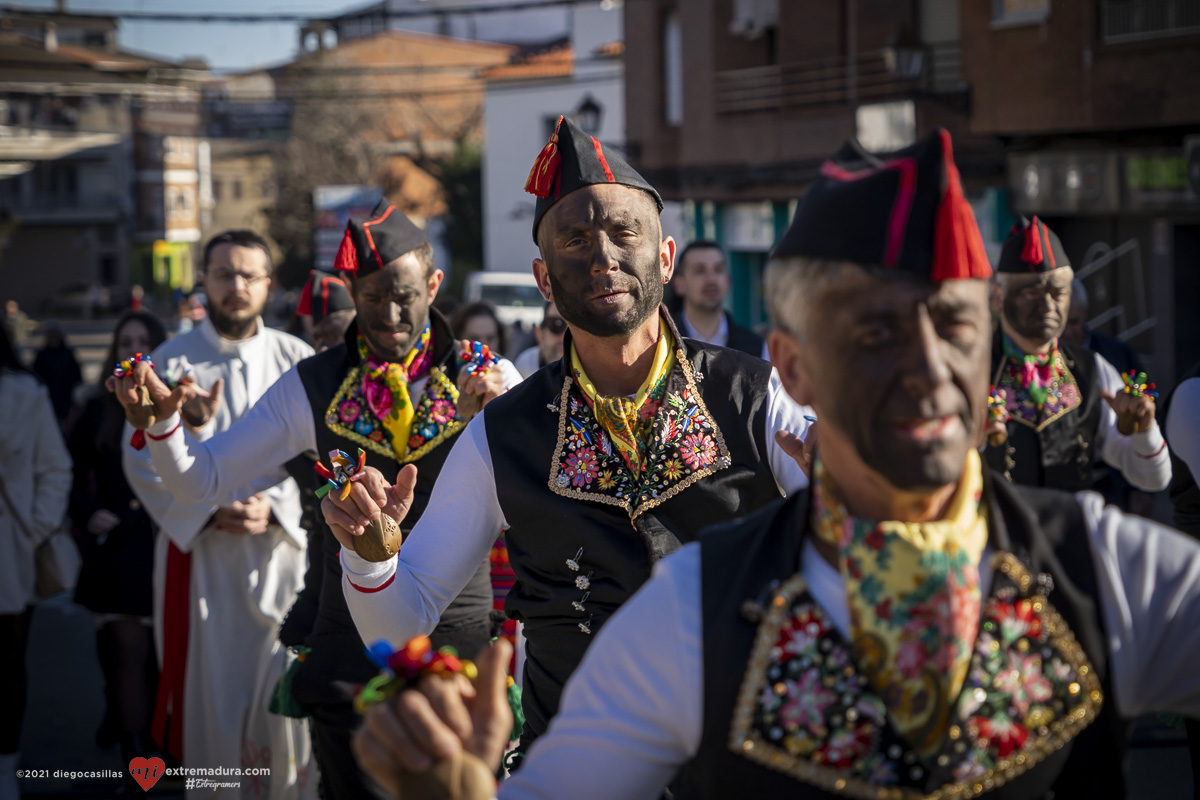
957,247
138,440
1031,254
347,257
304,305
543,176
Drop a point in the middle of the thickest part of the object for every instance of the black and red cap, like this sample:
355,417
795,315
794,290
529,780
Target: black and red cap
371,243
902,210
324,294
1031,247
571,160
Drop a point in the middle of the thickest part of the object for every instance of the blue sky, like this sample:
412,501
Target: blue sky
235,46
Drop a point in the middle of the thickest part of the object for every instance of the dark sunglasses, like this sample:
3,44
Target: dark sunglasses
555,325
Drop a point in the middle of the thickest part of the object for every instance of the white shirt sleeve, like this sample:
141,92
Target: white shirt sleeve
1141,457
243,460
632,713
181,521
512,375
1148,581
1183,424
785,414
406,595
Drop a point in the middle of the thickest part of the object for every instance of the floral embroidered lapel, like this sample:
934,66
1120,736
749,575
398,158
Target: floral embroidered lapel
1062,395
806,709
435,418
686,446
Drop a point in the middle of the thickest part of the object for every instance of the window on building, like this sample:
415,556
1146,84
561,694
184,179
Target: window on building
237,190
108,269
672,69
1133,20
216,189
1020,11
266,188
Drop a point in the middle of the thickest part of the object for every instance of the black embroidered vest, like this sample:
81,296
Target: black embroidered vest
1060,452
1042,671
582,535
1184,494
337,649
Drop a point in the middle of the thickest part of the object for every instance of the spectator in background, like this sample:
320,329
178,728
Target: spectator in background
118,550
549,347
56,365
1077,332
478,322
35,476
326,304
702,281
136,295
16,325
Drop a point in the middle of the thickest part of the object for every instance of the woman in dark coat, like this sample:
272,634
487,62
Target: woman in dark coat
118,548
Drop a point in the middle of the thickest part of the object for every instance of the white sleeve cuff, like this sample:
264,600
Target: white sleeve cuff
364,574
1147,444
164,426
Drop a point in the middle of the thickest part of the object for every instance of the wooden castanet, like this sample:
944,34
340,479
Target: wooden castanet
380,539
141,415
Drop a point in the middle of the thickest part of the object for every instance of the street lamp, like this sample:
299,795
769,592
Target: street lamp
588,115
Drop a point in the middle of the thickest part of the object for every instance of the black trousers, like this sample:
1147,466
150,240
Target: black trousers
341,778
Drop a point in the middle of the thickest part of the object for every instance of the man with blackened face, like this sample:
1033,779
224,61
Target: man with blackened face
646,437
912,625
394,389
1061,406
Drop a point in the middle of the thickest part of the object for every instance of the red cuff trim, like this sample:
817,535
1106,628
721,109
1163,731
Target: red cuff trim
1161,447
366,590
167,434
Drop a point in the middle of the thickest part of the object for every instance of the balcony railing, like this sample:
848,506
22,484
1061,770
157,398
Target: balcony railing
1133,20
869,78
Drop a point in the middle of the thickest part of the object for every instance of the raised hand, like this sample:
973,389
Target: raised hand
141,382
475,390
801,450
200,407
1135,413
425,732
370,495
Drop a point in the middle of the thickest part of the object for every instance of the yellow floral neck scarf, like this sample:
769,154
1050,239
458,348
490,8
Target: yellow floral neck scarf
628,421
914,597
385,386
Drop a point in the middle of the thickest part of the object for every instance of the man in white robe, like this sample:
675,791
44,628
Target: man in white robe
226,575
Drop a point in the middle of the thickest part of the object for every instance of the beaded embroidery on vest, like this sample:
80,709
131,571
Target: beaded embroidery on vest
806,710
435,418
685,446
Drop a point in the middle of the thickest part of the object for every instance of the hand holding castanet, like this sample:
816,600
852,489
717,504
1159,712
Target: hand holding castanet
1134,404
360,497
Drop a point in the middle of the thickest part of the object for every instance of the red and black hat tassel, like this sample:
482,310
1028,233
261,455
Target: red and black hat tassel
347,256
543,177
1032,253
957,253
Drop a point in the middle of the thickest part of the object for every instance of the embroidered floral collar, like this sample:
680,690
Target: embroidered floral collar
806,708
1038,389
434,418
685,445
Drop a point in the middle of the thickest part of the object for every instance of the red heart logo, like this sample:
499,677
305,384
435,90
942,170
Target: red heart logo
147,771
